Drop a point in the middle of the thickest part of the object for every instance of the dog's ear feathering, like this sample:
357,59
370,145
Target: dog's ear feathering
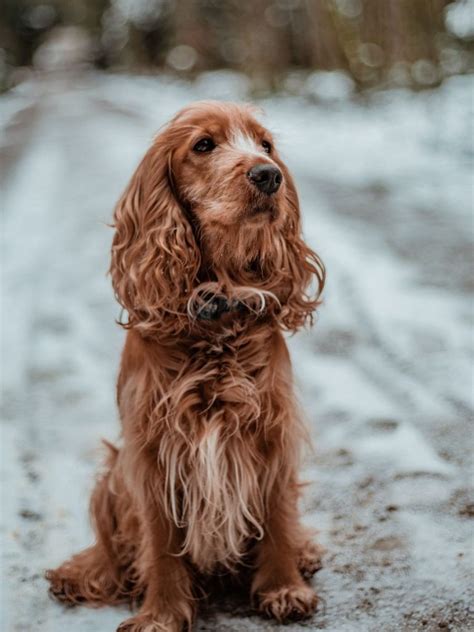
304,270
155,258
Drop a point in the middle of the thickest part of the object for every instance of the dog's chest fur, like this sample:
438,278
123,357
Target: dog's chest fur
215,456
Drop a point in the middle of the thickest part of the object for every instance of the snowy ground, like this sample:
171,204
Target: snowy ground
385,376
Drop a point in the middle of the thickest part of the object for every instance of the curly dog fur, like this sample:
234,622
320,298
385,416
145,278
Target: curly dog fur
206,477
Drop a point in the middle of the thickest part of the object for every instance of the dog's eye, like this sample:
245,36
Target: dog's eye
266,146
205,144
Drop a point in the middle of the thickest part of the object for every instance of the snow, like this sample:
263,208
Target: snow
385,376
460,18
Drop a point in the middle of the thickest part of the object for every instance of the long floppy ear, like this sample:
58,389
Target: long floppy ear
155,258
307,274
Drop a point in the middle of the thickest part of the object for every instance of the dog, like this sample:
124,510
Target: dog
210,266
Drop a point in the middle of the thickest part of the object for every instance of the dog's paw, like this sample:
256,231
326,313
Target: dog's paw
310,559
289,603
152,623
64,589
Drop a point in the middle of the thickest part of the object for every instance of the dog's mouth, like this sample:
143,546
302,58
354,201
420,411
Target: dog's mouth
262,213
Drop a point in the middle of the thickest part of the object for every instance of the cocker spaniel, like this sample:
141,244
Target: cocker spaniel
209,263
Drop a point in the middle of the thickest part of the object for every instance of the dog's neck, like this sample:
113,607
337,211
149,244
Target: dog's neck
217,305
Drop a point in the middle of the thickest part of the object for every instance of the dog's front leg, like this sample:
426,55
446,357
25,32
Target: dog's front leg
168,603
278,586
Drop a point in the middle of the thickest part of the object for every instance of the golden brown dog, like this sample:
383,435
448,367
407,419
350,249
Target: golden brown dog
209,263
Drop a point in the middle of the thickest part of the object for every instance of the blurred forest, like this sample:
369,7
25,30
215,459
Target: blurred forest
375,42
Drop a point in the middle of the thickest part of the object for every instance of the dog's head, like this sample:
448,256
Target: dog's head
211,203
227,171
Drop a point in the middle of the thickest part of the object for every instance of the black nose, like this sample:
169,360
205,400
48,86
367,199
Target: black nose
267,178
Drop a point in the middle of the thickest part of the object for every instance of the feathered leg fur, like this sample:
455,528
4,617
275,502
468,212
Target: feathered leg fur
278,586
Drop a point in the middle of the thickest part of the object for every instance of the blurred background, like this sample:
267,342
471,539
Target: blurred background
413,43
371,105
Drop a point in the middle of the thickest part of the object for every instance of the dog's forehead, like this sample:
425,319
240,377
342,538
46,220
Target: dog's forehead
229,120
243,140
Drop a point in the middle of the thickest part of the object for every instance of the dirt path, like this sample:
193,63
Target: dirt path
385,376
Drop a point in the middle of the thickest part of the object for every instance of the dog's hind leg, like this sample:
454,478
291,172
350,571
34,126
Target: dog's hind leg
309,558
101,574
87,578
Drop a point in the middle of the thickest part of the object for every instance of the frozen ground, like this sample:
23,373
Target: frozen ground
385,376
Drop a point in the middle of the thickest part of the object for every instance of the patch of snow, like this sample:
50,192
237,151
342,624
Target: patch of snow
460,18
329,85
